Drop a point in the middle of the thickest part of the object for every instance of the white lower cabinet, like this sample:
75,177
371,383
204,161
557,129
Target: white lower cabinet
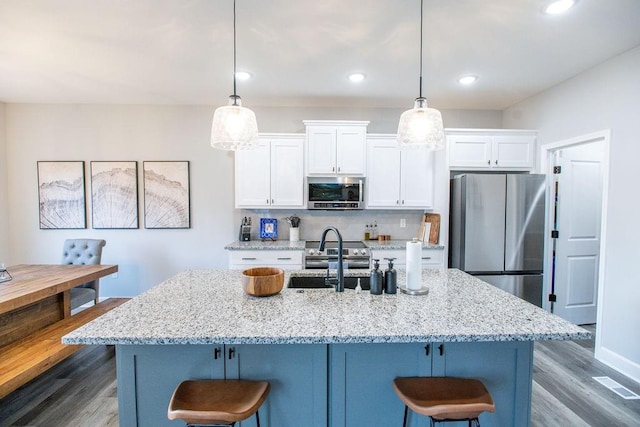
398,179
271,175
286,259
431,257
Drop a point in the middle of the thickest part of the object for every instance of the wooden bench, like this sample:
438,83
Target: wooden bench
23,360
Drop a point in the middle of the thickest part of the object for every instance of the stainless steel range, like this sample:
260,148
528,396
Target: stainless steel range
354,255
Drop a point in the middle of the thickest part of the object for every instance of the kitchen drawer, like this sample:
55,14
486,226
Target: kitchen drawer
284,259
431,258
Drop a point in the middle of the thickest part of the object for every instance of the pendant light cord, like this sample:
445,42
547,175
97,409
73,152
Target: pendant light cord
235,97
421,20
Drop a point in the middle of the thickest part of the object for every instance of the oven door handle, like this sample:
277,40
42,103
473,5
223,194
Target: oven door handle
319,263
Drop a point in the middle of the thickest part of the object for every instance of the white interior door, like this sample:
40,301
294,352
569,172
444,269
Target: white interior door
577,252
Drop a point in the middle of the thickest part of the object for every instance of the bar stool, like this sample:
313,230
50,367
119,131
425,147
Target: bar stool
444,398
217,402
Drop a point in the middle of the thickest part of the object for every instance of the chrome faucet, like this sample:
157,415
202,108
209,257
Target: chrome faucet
339,280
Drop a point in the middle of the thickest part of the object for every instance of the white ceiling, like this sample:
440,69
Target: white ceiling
300,52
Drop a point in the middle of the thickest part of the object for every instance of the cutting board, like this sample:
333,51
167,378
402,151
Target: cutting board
434,230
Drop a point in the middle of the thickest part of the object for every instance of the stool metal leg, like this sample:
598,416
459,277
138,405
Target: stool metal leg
404,422
257,419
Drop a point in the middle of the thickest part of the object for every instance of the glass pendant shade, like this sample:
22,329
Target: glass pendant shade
234,127
421,127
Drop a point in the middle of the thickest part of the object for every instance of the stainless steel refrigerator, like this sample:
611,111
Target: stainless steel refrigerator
497,230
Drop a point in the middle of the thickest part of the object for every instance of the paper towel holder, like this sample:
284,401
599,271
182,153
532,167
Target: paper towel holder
422,291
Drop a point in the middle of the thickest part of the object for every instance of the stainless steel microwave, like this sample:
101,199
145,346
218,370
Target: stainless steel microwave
335,193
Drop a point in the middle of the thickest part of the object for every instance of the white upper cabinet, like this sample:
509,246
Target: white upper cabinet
491,149
398,179
336,147
271,175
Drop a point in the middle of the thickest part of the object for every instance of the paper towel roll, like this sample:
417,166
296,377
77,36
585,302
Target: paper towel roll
414,264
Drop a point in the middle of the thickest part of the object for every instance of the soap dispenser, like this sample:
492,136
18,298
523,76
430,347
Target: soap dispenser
376,279
390,278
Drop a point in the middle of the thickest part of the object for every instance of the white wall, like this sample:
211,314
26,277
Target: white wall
605,97
4,212
145,257
101,132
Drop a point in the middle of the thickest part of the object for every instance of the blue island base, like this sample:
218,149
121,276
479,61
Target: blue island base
325,385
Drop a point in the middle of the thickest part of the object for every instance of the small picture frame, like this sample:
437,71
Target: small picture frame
268,228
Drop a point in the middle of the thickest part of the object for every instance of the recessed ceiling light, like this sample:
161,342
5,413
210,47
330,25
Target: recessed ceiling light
559,6
243,75
356,77
467,80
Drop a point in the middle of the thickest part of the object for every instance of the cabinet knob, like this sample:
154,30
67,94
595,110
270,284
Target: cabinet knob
496,163
333,169
441,349
232,352
489,162
338,168
397,202
427,349
271,201
267,201
216,353
403,202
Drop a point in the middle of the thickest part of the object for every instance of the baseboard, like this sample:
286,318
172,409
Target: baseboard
621,364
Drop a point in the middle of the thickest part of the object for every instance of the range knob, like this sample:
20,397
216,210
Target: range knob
363,251
311,251
355,252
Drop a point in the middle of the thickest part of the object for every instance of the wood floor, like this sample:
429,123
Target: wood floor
82,391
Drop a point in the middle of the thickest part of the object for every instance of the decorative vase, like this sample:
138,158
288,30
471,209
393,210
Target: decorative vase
294,234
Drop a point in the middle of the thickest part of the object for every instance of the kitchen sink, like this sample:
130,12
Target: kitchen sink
317,282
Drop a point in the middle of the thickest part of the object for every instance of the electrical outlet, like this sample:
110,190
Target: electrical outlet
403,223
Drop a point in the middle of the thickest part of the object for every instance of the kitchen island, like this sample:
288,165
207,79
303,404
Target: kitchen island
330,357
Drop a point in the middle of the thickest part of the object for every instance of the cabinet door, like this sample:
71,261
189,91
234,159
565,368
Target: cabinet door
361,379
321,150
147,376
350,154
515,151
469,151
417,178
298,377
287,174
253,182
239,260
505,368
383,178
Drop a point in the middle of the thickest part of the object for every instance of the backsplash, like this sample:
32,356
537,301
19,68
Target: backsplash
351,224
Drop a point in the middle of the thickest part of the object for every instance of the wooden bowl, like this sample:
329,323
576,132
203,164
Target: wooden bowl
262,281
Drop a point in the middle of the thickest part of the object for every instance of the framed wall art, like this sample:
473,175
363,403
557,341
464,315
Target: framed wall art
114,194
166,194
61,195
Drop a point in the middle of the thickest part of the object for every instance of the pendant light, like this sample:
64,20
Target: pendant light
234,127
421,126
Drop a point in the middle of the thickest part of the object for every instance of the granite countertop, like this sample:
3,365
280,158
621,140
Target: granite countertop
209,307
395,244
258,245
287,245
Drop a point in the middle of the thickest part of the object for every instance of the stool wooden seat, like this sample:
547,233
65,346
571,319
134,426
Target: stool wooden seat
444,398
217,402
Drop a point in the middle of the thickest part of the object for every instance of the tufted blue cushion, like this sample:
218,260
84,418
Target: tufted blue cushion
83,252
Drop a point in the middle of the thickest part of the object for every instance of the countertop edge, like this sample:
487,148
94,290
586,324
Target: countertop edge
328,340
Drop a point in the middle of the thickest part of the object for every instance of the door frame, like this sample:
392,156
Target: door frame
546,167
